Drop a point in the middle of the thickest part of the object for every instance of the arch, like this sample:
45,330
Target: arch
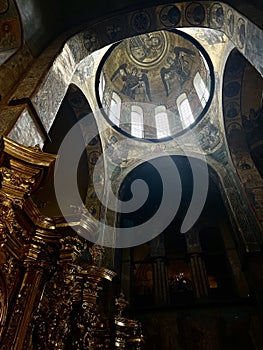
73,109
215,213
201,89
137,129
115,109
68,59
185,111
46,98
162,122
243,126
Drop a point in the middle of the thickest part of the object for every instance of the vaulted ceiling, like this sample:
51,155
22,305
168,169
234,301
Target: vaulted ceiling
44,20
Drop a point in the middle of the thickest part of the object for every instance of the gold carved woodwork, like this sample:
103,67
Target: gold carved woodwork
50,277
128,331
69,309
27,239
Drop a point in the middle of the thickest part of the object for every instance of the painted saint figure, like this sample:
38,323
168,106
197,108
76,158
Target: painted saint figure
135,82
179,68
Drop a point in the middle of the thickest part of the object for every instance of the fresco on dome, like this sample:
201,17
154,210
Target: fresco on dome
135,82
149,68
178,68
147,49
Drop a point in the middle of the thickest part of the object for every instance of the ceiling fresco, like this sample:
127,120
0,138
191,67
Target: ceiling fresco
155,63
10,31
160,68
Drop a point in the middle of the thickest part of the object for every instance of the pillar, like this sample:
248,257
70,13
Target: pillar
160,275
197,264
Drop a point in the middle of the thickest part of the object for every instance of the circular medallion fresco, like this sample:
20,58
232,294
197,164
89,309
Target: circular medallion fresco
4,5
147,49
162,79
195,13
170,15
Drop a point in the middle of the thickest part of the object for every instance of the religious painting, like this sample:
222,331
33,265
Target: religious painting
147,49
140,21
241,28
170,15
195,13
232,110
9,34
230,23
4,6
232,89
216,16
135,81
178,67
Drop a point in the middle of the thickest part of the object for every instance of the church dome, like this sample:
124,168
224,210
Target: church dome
155,85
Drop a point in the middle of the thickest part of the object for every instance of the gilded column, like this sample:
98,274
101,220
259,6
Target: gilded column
27,238
36,265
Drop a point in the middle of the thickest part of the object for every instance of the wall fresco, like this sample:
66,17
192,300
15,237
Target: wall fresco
10,31
169,14
217,16
4,6
81,107
195,14
243,121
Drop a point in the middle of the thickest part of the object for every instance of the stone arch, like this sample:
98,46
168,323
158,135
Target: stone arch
243,131
154,18
44,96
73,109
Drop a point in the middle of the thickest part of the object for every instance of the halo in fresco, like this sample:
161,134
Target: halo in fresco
170,16
166,68
216,16
147,49
195,13
4,6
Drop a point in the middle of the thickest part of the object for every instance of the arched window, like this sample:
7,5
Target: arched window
162,123
102,86
115,109
201,89
185,111
137,121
